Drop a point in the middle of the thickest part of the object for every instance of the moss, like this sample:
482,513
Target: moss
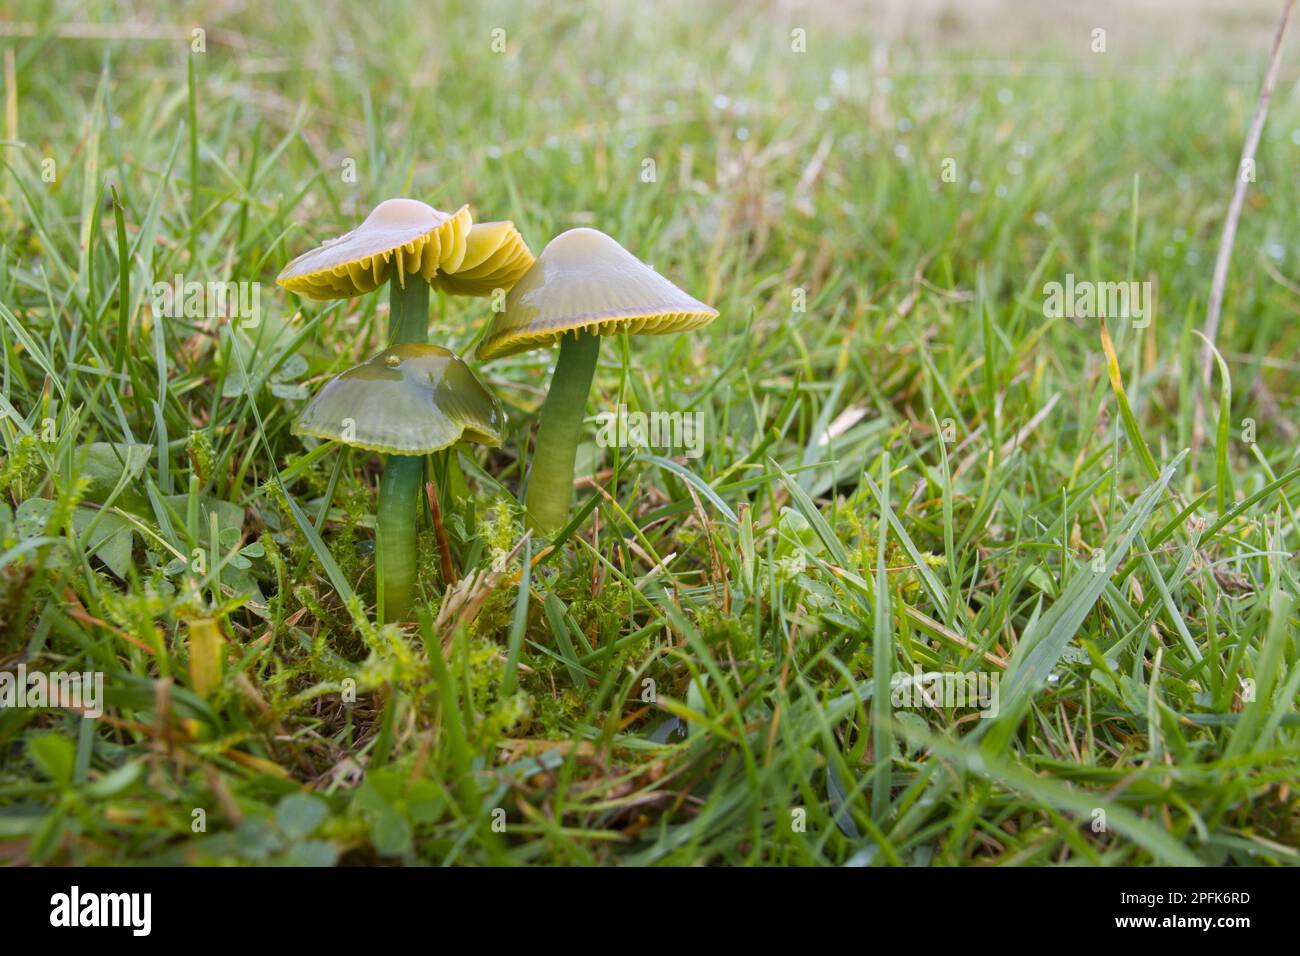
497,714
202,457
23,467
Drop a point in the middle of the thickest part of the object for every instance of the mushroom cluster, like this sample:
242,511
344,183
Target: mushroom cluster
415,399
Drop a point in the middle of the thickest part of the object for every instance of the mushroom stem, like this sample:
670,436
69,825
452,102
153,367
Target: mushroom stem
403,479
408,309
550,483
399,501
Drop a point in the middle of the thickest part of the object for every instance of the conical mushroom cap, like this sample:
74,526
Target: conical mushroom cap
402,234
585,281
411,399
495,258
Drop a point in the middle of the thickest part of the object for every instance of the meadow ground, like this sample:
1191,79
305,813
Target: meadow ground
911,462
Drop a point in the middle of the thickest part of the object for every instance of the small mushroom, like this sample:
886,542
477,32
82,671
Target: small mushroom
405,239
408,401
401,239
583,285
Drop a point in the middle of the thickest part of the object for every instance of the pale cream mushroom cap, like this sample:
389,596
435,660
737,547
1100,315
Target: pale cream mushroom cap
403,234
584,281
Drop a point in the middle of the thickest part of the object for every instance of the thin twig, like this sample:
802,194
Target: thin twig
449,573
1234,215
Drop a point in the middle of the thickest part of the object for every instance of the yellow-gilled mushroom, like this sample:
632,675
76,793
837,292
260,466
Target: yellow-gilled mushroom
583,285
411,245
496,256
400,237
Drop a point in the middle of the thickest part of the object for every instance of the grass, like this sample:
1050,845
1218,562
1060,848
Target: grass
907,464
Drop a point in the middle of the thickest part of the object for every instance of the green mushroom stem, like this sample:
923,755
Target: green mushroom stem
550,483
408,309
399,512
403,479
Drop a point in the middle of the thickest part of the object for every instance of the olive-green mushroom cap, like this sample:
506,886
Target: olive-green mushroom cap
584,281
496,256
403,234
411,399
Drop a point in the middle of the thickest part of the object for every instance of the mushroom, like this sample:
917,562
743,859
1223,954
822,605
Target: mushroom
409,401
495,258
402,239
583,285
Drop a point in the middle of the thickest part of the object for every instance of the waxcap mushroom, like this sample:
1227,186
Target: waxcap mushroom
496,256
411,399
405,235
584,281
